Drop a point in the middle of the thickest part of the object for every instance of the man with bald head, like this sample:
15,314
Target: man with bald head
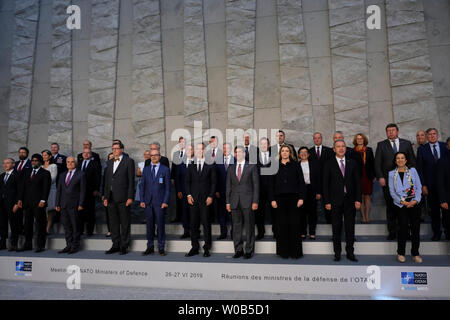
88,145
70,196
421,139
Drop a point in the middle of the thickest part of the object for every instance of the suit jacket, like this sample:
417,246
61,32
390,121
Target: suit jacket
384,157
180,177
218,157
315,176
27,164
398,188
203,185
427,166
155,191
95,157
333,182
9,192
73,195
251,156
264,179
245,191
444,179
176,161
222,177
93,175
33,191
164,161
326,154
370,162
120,183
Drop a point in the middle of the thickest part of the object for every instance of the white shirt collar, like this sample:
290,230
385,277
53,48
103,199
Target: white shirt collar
339,160
10,171
241,163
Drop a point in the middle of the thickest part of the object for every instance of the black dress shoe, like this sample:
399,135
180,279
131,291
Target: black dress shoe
65,250
112,250
39,250
12,248
238,254
222,237
162,252
123,251
337,258
206,253
185,236
352,257
148,251
248,255
25,249
391,237
73,250
191,253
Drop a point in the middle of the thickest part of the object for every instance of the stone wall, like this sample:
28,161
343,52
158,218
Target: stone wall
139,69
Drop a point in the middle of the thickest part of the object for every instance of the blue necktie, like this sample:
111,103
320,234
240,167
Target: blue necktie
153,172
394,146
435,154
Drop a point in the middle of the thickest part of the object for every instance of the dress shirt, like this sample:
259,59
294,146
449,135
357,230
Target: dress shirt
397,144
116,163
156,168
265,159
242,167
438,150
306,173
8,173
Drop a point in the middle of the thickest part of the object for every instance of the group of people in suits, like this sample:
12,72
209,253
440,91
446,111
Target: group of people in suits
243,186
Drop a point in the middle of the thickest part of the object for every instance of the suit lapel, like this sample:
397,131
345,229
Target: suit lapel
121,164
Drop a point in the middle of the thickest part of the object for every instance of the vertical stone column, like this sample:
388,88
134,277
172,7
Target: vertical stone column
267,68
195,76
6,44
102,73
26,15
147,80
437,21
411,79
316,23
81,56
60,106
172,23
296,108
348,57
123,128
240,31
378,82
216,62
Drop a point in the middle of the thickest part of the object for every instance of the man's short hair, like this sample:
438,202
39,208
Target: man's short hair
281,131
265,138
240,148
180,139
391,125
432,129
338,132
55,144
26,150
339,140
13,161
74,158
317,133
118,143
156,144
202,143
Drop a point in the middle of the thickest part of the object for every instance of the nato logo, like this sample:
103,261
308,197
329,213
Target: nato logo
23,268
414,278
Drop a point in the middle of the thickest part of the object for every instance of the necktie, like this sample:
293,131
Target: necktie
199,167
343,172
153,171
84,164
181,154
6,178
394,146
435,154
33,174
239,175
69,176
265,158
20,166
246,152
318,152
213,153
225,161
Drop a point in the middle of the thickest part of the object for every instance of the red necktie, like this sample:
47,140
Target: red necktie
318,152
20,166
33,174
239,173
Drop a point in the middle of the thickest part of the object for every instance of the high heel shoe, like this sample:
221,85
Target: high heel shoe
417,259
401,258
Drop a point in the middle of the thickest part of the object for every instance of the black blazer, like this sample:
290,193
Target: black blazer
333,182
427,166
327,154
93,175
203,185
288,179
33,191
265,180
315,176
370,162
120,183
95,157
384,157
26,164
73,195
9,192
444,179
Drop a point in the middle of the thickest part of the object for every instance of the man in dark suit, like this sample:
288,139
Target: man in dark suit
23,161
88,145
59,159
242,197
33,196
180,188
428,156
118,195
213,153
178,159
251,151
321,154
350,153
164,161
222,169
384,162
200,188
9,192
444,191
342,195
154,193
93,175
281,142
70,196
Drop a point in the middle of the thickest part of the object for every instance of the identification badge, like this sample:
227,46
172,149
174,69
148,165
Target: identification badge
160,180
59,160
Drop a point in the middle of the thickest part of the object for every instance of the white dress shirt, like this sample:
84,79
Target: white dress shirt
242,167
397,144
7,174
339,162
116,163
320,149
265,159
200,162
306,173
227,160
85,164
438,150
